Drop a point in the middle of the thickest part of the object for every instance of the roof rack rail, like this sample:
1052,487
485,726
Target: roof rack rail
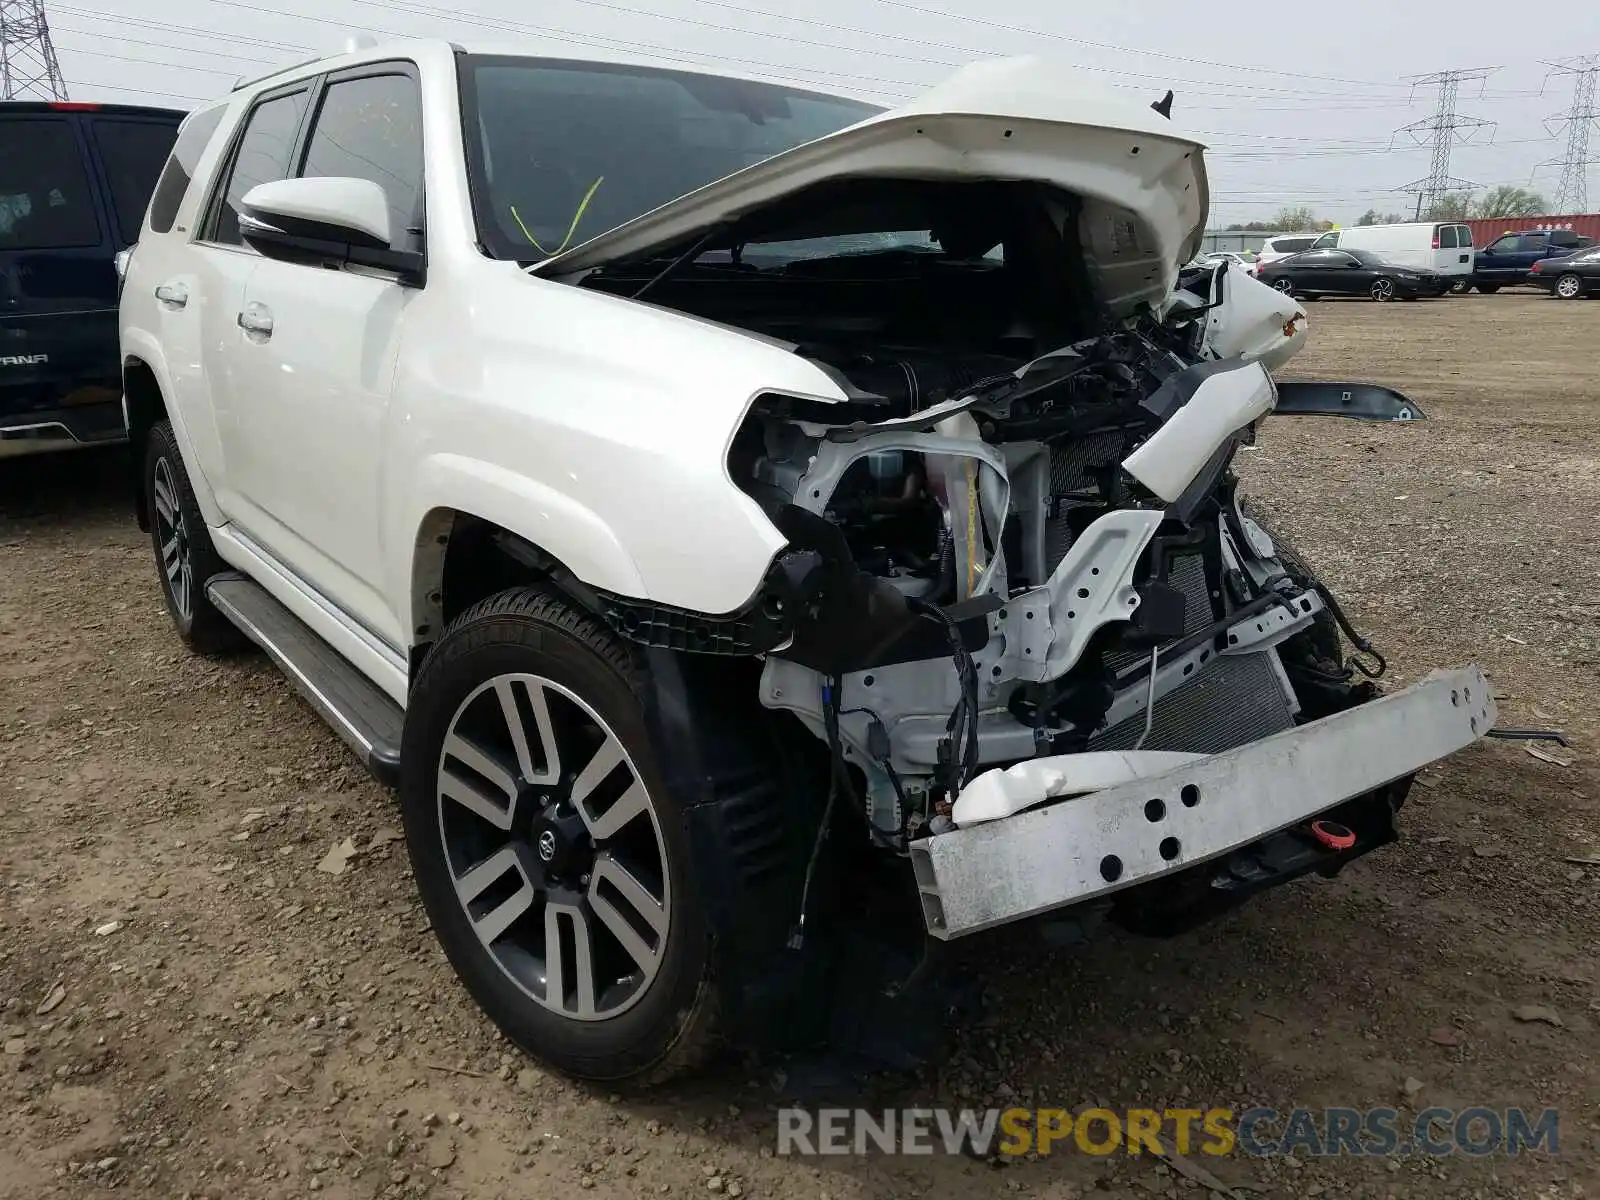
352,45
305,62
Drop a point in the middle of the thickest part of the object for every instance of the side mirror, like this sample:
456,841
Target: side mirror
326,221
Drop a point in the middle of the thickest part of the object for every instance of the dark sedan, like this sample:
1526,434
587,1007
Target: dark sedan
1570,278
1351,273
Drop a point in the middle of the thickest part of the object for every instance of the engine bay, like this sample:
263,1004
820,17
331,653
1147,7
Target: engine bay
1018,535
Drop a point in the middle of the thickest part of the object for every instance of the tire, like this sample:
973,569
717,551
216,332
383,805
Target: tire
1459,288
553,659
1569,287
185,556
1488,289
1382,290
1285,286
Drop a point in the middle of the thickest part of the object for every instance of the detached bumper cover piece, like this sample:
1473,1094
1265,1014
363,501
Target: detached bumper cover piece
1078,849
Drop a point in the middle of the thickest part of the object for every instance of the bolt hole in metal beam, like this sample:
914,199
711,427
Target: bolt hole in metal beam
1155,810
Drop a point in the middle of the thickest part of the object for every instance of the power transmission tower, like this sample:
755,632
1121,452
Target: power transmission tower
28,66
1444,129
1572,193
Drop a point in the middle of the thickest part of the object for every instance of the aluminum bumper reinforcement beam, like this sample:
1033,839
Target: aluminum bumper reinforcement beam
1091,845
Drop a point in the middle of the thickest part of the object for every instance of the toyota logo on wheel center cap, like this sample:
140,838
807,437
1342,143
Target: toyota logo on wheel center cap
547,845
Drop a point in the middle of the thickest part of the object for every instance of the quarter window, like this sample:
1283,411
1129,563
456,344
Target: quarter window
371,128
175,176
262,157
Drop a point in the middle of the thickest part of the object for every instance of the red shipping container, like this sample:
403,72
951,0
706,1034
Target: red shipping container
1485,231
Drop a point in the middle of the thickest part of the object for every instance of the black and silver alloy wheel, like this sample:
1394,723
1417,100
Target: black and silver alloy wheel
1382,290
1286,286
554,847
551,855
184,554
172,538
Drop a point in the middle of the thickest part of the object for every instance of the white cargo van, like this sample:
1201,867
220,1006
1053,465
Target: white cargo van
1425,245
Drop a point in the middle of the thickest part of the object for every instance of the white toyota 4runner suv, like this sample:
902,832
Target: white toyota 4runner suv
763,538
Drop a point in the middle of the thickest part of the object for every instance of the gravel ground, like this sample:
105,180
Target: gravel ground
191,1008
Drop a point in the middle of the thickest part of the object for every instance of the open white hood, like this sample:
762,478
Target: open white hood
1142,179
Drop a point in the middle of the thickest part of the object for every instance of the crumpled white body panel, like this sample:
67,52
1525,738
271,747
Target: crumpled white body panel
1005,792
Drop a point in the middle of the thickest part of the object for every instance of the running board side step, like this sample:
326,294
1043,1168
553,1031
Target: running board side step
366,719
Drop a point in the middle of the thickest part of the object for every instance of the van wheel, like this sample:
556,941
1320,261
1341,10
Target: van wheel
185,558
1460,287
550,856
1569,287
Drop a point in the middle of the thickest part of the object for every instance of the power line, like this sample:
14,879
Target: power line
1442,129
28,66
1572,193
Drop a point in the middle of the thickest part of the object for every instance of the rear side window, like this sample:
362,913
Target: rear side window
176,175
262,156
371,128
1293,245
45,200
1448,238
131,154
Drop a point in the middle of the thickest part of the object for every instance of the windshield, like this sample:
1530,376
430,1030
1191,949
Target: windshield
561,151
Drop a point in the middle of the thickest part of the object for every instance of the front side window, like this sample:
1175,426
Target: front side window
371,128
1464,236
1507,242
132,154
561,151
45,201
1447,237
262,156
193,138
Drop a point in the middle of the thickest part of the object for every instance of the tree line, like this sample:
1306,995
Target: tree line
1503,201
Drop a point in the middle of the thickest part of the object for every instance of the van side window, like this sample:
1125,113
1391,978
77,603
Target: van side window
1447,237
176,175
45,200
262,156
1464,236
131,154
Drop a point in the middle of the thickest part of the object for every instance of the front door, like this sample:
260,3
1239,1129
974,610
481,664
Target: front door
315,361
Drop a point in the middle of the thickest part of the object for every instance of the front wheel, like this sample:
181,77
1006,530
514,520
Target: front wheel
185,557
1382,290
1569,287
551,859
1285,286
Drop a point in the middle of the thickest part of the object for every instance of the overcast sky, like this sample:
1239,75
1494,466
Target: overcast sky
1298,103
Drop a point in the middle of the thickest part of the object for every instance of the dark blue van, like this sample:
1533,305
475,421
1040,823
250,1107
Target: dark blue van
74,183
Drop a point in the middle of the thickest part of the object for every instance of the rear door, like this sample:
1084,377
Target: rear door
58,287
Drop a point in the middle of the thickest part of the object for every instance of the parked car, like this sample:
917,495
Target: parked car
1282,246
1441,247
737,516
74,182
1350,273
1509,259
1570,278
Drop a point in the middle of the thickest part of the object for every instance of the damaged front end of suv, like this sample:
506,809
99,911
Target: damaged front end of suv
1048,661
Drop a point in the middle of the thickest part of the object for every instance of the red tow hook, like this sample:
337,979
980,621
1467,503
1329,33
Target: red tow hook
1333,835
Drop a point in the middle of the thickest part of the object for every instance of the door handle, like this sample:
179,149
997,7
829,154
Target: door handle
173,294
257,319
